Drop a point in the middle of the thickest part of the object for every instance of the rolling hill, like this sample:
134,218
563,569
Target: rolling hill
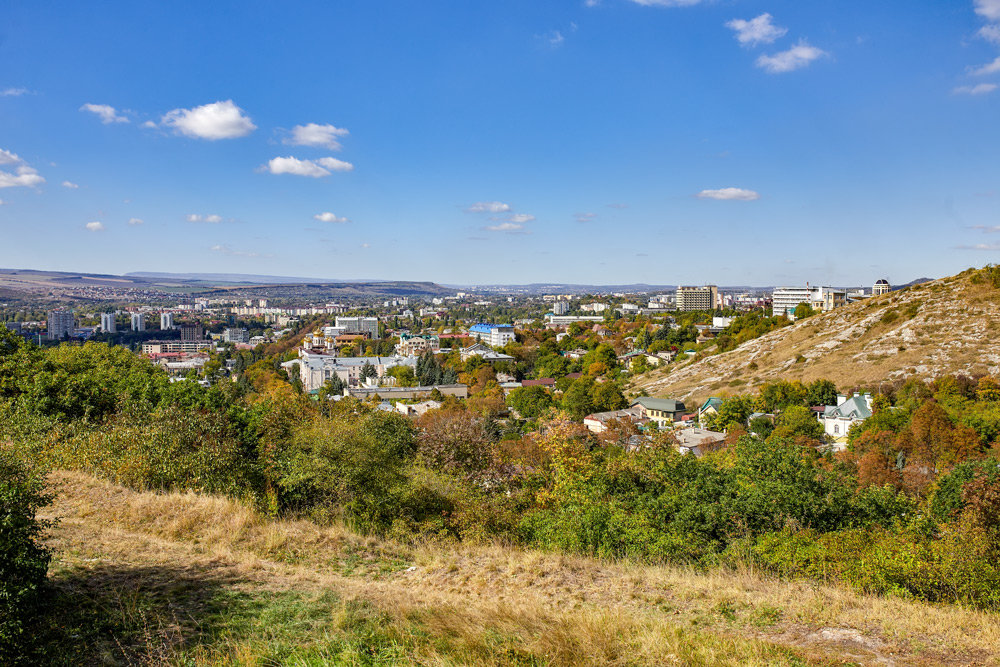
950,325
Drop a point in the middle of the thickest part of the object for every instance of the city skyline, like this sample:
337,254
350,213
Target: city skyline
596,142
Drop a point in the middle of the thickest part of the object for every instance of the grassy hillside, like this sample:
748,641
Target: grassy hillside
941,327
146,578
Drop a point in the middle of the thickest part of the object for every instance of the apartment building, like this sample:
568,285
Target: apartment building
697,298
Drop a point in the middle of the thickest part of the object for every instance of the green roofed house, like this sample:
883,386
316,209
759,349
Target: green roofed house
660,410
709,407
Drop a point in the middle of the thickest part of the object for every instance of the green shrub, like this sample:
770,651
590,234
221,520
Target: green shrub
958,565
23,561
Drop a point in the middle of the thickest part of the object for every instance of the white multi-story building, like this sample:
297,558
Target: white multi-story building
170,346
315,370
166,321
560,308
496,335
138,322
108,323
59,325
881,286
234,335
359,325
784,300
563,320
697,298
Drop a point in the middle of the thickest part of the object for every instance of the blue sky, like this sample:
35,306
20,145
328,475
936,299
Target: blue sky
660,141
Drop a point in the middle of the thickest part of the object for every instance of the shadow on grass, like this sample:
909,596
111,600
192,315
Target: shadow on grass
112,615
119,615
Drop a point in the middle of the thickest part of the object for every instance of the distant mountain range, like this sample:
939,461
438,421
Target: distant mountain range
27,278
243,278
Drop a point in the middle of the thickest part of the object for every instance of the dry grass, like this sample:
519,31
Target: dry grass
447,603
941,327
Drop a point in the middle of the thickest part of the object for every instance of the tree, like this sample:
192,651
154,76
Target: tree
803,310
761,426
606,396
578,399
368,371
734,412
405,377
821,392
780,395
24,559
988,389
798,421
530,402
334,386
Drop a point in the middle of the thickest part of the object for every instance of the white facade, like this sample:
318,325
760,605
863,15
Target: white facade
697,298
561,320
784,300
166,321
560,308
881,287
236,336
138,322
108,323
838,419
317,369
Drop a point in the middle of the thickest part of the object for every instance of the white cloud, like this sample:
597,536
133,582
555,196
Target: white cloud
13,92
521,218
1,202
991,33
504,227
988,68
488,207
553,39
25,177
6,157
212,219
797,57
108,114
729,194
989,229
71,186
329,217
980,246
667,3
756,31
95,226
979,89
333,164
135,221
366,245
218,120
989,9
313,134
232,252
618,206
585,217
324,166
150,124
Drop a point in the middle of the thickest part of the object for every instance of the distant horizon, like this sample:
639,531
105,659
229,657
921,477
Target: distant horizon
291,280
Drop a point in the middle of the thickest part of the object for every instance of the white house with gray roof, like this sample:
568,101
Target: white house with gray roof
838,419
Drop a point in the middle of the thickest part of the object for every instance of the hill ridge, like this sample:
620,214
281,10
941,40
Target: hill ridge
926,330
